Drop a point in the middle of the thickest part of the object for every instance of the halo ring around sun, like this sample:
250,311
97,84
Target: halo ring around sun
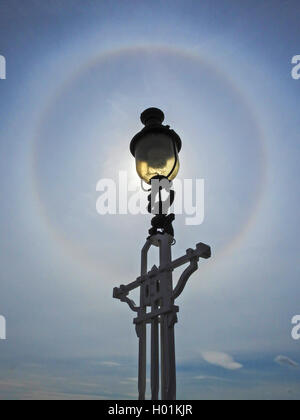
77,249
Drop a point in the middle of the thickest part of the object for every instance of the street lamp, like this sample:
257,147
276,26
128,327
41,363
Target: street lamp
156,149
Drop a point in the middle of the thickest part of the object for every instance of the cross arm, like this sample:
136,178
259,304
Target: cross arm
201,251
192,256
120,291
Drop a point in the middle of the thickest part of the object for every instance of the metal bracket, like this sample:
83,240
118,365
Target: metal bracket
121,293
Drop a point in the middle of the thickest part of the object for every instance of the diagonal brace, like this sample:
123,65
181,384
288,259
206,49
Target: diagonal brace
203,251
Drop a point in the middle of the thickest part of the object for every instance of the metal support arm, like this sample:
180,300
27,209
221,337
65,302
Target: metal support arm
201,250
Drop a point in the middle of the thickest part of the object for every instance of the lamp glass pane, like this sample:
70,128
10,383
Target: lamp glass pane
156,154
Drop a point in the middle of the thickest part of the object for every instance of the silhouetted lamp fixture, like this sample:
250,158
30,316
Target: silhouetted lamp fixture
155,148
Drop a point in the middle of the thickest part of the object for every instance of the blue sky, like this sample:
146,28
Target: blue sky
79,73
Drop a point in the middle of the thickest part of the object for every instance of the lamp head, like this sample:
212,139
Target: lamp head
155,147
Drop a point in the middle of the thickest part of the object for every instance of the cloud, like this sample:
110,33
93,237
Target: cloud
107,363
285,361
132,381
211,378
221,359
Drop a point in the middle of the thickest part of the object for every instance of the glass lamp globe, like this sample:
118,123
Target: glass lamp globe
155,148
